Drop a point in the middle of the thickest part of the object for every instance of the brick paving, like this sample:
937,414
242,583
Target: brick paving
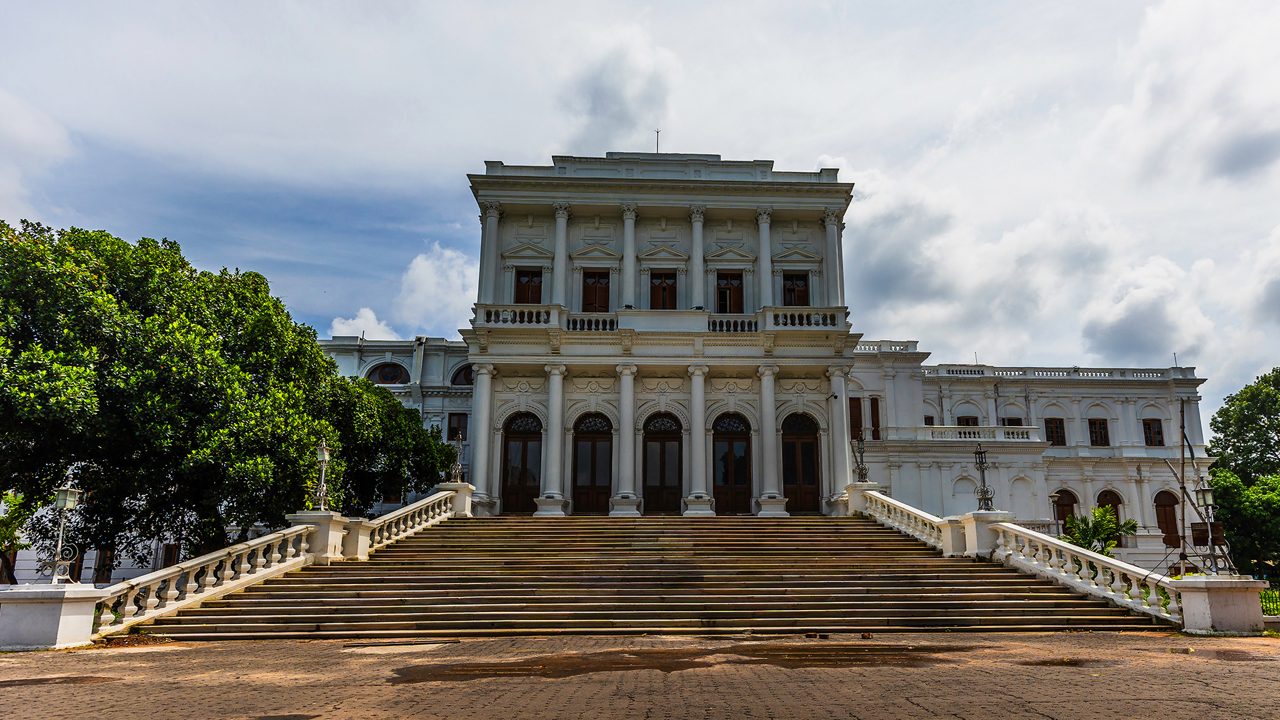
1071,676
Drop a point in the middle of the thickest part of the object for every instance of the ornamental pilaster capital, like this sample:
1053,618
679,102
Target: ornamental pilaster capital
555,370
491,208
765,371
626,370
840,371
748,271
698,370
483,369
777,272
680,271
628,211
764,215
830,216
562,210
697,213
508,267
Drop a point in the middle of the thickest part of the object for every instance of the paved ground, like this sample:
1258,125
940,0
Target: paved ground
1076,676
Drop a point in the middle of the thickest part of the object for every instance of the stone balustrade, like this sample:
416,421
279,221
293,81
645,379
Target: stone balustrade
1065,373
202,578
886,346
905,518
592,322
1126,585
802,318
733,323
431,510
517,316
1007,433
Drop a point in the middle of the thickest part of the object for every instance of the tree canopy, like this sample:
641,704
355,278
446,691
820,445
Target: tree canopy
185,402
1247,430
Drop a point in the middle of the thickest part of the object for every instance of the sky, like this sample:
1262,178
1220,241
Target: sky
1086,183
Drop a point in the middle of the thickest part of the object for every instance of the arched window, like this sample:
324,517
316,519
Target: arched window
463,376
731,423
1111,499
1167,518
1065,505
389,374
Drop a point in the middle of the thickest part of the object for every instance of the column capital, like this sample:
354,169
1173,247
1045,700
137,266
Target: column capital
483,369
628,211
625,370
697,213
562,210
555,369
764,215
830,216
698,370
838,371
491,208
767,371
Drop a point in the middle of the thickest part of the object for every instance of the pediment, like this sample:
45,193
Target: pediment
797,254
595,252
528,251
663,252
730,253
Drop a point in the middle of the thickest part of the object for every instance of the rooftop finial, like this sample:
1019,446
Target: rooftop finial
657,141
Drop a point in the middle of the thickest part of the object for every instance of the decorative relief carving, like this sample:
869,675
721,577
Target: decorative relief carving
800,386
830,216
731,385
697,213
662,384
593,384
764,215
562,210
628,211
492,208
523,385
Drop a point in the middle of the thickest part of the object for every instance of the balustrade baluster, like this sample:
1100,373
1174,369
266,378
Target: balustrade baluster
1174,608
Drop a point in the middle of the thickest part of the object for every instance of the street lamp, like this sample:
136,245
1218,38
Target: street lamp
322,454
860,453
67,499
1053,503
455,472
983,492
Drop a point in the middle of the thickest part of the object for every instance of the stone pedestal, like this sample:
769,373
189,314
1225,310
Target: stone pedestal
624,505
355,543
326,542
47,617
550,506
699,505
1221,604
856,492
979,538
953,537
462,500
773,507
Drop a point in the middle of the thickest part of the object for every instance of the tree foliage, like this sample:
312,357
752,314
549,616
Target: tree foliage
1247,430
1098,531
1250,516
187,401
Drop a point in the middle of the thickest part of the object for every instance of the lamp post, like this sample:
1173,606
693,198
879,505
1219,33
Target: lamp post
860,458
1053,504
983,492
455,472
67,499
1210,531
322,491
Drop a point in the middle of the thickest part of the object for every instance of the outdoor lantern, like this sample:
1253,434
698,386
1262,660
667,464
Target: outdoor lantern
68,497
1204,496
322,452
322,491
985,494
980,457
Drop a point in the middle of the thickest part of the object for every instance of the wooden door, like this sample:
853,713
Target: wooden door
521,463
592,464
1167,518
731,448
663,489
801,478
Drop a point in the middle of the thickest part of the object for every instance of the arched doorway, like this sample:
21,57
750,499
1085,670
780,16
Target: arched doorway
1112,499
521,463
801,476
1167,518
592,464
731,453
1065,506
662,486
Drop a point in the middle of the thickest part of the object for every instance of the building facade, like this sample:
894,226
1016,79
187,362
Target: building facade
668,334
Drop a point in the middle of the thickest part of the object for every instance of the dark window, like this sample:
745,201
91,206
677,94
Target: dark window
662,291
389,374
595,291
1098,434
729,292
169,555
1167,518
928,419
1153,432
1065,506
528,287
875,418
1011,421
103,565
795,289
1055,431
967,421
855,418
457,427
463,376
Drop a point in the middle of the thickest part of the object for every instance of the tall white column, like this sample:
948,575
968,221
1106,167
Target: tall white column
840,265
551,500
629,255
698,299
839,414
765,262
560,265
481,433
772,503
626,502
699,503
831,270
489,251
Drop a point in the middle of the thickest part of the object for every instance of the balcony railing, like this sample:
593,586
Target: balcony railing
798,318
592,322
1063,373
1024,433
517,316
733,323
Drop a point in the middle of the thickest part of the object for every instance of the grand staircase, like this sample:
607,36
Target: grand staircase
597,575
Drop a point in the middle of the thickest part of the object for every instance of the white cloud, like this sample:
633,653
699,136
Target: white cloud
30,142
364,323
437,291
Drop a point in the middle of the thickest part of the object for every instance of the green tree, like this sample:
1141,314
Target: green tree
1250,516
187,401
1247,430
14,514
1098,531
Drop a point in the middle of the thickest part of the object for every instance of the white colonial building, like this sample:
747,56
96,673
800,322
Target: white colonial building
668,333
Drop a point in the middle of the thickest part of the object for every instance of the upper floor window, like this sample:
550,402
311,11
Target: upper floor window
729,292
928,420
1011,421
528,287
967,421
1153,432
1099,435
463,376
389,374
795,289
875,418
595,291
855,418
457,427
1055,431
662,290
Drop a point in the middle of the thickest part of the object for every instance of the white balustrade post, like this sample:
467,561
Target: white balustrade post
481,433
492,211
857,494
953,537
48,617
626,503
831,270
772,503
560,266
628,255
698,296
1221,604
699,503
551,501
461,498
765,261
355,544
980,538
326,541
